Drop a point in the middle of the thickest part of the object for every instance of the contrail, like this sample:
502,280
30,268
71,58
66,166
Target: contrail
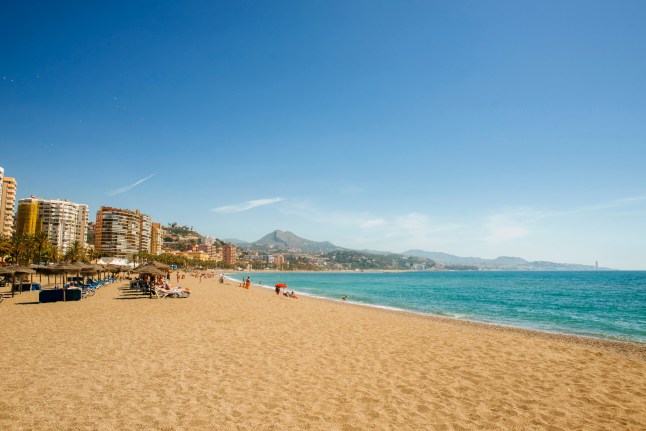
131,186
236,208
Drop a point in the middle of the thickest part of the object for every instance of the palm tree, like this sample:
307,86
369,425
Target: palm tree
40,242
93,254
5,246
19,249
75,252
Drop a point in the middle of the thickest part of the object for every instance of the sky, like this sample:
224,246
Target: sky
476,128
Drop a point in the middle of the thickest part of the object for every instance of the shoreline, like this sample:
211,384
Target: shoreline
631,347
613,344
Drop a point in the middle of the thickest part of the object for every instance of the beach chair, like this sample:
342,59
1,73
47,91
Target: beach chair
161,293
182,294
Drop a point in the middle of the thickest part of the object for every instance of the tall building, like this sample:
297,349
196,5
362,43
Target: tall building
63,221
7,205
27,217
156,238
230,252
122,233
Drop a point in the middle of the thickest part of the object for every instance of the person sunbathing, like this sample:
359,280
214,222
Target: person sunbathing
164,288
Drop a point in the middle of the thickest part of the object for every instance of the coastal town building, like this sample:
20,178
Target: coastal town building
63,221
122,232
211,250
156,238
198,255
91,228
208,240
7,205
230,254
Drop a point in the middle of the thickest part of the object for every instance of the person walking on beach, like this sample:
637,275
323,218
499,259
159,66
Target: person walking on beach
247,283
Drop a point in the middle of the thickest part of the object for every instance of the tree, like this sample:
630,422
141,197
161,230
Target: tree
93,254
19,249
40,243
5,246
75,252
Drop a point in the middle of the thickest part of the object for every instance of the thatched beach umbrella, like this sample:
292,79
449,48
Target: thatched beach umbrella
65,268
40,270
161,266
8,270
149,269
20,270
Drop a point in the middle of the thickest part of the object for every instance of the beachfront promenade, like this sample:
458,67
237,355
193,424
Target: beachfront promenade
232,358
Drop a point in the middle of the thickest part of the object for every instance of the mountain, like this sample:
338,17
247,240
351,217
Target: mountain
501,263
238,242
288,241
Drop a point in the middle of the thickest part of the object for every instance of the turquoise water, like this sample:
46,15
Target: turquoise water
603,304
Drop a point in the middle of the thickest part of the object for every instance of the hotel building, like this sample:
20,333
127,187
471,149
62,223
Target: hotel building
230,254
63,221
7,205
122,233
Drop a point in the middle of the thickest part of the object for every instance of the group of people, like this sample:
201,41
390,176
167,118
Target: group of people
246,283
287,293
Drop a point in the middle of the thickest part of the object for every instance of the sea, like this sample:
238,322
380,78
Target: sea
601,304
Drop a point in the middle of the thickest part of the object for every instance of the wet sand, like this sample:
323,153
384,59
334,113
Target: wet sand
232,358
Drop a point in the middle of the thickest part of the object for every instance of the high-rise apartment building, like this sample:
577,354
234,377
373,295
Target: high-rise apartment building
7,205
63,221
122,233
230,254
27,217
156,238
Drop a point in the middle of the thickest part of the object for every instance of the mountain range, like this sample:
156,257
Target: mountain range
502,262
288,241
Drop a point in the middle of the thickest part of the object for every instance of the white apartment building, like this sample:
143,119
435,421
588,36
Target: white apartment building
63,221
7,205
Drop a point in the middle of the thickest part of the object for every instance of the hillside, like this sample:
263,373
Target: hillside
281,240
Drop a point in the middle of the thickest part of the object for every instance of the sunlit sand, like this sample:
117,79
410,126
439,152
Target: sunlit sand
232,358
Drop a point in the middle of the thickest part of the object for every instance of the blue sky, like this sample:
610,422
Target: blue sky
478,128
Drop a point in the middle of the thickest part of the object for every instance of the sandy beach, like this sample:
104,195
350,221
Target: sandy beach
232,358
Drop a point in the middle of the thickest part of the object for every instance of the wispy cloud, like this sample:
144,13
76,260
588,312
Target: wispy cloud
359,229
372,223
516,223
509,225
236,208
131,186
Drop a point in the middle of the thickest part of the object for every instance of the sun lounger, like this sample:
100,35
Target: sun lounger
182,293
163,293
171,293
